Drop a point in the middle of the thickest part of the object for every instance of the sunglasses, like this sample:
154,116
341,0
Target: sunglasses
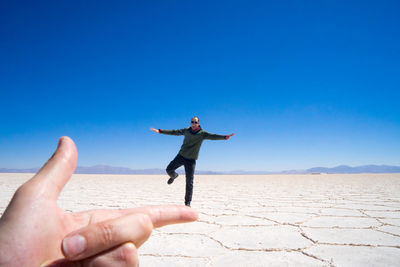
195,122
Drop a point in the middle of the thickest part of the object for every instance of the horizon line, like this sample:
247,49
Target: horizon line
108,169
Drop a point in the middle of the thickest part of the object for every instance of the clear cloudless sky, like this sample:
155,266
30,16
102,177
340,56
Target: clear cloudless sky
301,83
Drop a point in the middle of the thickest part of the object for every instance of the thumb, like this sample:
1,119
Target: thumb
52,177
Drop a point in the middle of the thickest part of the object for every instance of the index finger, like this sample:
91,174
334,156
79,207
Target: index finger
159,215
164,215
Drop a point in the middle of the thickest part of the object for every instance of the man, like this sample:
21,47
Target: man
187,156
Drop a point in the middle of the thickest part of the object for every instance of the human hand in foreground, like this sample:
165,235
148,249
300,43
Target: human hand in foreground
229,136
154,130
35,231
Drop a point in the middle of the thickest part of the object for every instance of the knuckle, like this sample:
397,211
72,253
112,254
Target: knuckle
29,192
146,224
106,231
22,191
156,214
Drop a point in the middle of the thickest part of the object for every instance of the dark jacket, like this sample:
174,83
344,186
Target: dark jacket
193,140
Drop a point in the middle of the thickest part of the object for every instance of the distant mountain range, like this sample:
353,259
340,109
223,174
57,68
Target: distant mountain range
349,169
104,169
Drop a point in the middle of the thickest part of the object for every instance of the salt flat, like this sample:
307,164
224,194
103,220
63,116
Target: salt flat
266,220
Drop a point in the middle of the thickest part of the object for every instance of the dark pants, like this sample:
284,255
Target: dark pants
190,165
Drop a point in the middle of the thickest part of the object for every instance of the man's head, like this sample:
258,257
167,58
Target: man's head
195,123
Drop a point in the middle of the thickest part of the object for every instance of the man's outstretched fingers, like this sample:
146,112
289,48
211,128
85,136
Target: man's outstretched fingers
97,238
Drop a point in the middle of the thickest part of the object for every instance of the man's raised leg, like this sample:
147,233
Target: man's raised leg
172,166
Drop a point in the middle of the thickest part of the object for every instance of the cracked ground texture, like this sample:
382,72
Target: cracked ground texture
266,220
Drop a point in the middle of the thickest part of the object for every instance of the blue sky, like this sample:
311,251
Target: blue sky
300,83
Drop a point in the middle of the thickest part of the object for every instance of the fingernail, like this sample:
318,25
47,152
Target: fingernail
60,142
74,245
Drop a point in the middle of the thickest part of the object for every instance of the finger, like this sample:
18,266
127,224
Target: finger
52,177
100,237
122,256
159,215
164,215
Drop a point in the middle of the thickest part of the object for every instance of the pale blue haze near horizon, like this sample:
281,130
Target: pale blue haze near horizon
300,83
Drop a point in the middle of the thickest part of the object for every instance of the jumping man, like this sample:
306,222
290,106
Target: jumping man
187,156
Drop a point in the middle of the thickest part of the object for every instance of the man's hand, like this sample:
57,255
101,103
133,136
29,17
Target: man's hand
154,130
35,231
229,136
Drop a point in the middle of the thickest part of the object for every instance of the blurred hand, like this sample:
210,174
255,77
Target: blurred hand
229,136
35,231
155,130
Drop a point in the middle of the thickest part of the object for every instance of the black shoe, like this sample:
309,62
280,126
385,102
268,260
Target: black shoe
171,180
187,204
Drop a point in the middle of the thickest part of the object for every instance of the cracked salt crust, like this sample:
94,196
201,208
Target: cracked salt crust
271,220
356,256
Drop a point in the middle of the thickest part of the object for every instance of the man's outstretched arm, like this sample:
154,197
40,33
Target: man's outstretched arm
169,132
211,136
